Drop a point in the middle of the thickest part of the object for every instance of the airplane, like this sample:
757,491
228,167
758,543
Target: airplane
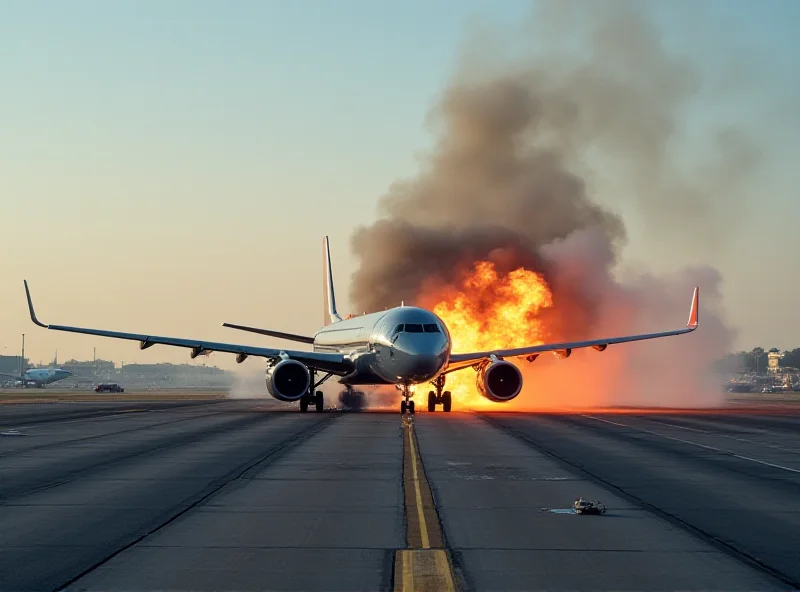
39,377
402,346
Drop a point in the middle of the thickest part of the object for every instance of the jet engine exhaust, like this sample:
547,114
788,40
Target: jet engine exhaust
499,381
288,380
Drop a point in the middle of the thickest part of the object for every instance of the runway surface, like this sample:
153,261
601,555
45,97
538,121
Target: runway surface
250,495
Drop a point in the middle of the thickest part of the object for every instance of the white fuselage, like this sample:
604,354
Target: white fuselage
405,345
42,376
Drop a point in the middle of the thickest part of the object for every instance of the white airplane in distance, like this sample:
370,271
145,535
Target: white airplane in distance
402,346
39,377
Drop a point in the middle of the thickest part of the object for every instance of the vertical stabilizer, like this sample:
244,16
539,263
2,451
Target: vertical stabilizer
328,294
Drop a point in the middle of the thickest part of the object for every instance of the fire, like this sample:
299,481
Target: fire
489,310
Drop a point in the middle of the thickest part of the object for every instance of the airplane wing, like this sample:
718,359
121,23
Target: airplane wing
326,362
459,361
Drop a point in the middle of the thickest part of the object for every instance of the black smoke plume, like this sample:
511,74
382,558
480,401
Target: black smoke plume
523,146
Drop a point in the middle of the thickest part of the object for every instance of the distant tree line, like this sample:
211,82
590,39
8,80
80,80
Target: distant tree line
755,360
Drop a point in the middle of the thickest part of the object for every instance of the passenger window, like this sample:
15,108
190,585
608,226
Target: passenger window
431,328
413,328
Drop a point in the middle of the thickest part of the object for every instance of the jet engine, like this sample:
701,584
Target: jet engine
499,381
288,380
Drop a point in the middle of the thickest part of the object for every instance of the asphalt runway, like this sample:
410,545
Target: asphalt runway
253,495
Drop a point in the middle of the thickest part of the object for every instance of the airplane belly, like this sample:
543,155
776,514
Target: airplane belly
368,370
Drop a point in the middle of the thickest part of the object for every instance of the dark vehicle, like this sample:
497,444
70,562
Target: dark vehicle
109,388
740,387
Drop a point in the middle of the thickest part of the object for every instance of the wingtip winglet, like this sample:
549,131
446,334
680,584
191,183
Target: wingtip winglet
693,312
30,306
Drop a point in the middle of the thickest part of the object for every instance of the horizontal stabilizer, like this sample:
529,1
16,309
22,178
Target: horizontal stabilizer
271,333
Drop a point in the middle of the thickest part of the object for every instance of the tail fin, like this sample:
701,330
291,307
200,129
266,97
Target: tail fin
328,295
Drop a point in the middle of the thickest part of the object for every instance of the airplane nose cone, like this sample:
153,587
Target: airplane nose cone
426,365
422,355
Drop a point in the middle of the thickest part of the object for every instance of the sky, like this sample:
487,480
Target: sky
169,166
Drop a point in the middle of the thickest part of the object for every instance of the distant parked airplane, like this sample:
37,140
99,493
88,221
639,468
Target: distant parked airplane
39,377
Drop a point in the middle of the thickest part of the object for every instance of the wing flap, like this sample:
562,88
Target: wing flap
458,361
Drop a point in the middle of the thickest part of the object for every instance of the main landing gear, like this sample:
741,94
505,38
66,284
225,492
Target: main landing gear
314,398
445,399
406,404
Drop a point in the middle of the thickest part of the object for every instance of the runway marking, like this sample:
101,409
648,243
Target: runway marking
423,527
722,450
425,565
710,433
423,570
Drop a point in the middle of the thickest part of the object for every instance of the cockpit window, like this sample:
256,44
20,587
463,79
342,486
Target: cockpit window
417,328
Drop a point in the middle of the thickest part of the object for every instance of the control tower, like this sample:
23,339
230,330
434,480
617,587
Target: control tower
773,361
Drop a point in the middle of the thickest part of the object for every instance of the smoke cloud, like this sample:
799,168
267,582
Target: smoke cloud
523,147
248,385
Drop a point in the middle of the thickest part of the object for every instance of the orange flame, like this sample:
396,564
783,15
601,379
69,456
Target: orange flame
490,311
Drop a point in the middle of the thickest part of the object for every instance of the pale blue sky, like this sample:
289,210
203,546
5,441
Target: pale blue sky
169,165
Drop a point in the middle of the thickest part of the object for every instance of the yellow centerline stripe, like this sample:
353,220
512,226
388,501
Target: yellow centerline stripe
423,527
420,568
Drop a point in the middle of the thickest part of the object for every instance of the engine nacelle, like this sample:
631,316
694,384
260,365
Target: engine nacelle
499,381
288,380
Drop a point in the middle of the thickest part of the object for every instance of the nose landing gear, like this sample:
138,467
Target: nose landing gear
438,397
406,403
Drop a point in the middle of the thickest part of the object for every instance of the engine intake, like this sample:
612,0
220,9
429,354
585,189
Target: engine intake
288,380
499,381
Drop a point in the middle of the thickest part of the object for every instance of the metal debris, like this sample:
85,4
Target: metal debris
583,506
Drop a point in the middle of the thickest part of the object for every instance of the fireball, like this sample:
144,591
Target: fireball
488,310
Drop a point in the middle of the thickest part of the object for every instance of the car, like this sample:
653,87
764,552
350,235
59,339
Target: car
582,506
109,388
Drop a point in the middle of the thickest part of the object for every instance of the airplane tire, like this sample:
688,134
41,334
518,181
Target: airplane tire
447,401
402,407
431,401
411,407
320,401
303,404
